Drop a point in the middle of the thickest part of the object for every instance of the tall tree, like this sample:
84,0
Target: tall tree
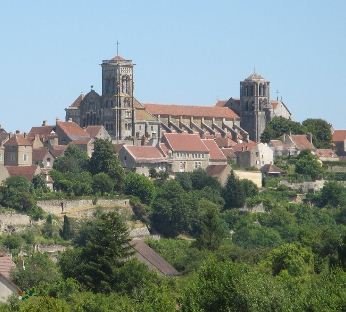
320,130
172,209
139,185
233,193
308,164
102,247
74,160
278,126
211,227
105,160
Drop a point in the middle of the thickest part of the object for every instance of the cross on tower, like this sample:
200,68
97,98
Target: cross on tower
277,95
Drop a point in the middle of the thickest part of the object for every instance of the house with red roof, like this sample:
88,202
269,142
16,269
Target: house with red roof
339,141
7,287
143,158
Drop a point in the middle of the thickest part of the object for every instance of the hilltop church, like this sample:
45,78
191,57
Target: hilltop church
126,119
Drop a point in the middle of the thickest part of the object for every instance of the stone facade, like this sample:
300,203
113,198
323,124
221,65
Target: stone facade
116,107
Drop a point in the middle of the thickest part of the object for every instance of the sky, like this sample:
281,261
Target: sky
186,52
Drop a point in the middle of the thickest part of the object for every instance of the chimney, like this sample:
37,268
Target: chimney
17,131
44,123
57,119
24,134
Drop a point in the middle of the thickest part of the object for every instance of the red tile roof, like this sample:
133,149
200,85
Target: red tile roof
301,142
145,153
58,150
42,132
228,152
183,142
72,130
271,169
326,153
225,142
164,149
214,151
18,140
147,255
221,103
93,130
216,170
6,265
27,172
39,153
339,135
191,111
247,146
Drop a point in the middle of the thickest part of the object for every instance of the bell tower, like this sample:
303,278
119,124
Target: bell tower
255,107
117,94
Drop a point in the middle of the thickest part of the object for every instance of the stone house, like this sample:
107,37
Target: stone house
7,287
187,152
98,132
339,141
254,155
18,151
326,154
143,158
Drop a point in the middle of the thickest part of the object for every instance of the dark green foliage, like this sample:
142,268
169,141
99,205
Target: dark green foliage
39,184
74,160
79,183
38,268
172,209
211,228
16,193
105,160
279,126
12,242
140,186
320,130
233,193
291,258
333,194
308,164
102,247
102,183
67,229
51,227
250,188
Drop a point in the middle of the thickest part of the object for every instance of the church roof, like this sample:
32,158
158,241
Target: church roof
117,58
77,101
72,130
191,111
255,76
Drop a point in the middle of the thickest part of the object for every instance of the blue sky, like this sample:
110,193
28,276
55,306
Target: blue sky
186,52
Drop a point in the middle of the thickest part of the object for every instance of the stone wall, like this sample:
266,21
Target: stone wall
305,187
12,222
58,207
254,176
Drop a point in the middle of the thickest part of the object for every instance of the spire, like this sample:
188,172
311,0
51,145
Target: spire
117,48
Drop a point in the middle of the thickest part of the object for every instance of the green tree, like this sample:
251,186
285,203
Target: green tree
74,160
102,183
172,209
105,160
233,193
67,229
44,304
333,194
211,227
39,183
140,186
250,188
38,268
100,251
291,258
51,227
16,193
320,130
308,164
279,126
